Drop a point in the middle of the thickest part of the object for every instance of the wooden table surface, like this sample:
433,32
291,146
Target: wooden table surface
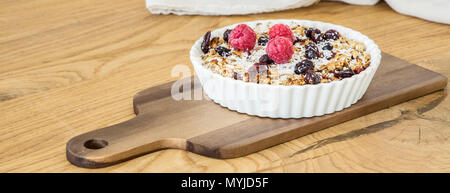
68,67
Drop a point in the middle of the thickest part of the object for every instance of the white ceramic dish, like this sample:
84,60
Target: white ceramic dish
294,101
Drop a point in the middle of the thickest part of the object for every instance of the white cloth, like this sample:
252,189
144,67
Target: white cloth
359,2
222,7
433,10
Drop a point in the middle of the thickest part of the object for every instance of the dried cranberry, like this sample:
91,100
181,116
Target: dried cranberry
264,60
331,35
312,51
262,41
312,46
303,66
225,35
344,73
311,54
205,43
313,34
308,32
327,46
316,36
312,77
222,51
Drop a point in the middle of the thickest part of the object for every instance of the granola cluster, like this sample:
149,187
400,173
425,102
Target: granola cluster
318,57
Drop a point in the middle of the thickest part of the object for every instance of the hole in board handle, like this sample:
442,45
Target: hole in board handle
95,144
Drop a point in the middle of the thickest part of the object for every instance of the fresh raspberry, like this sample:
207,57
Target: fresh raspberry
280,50
242,37
281,30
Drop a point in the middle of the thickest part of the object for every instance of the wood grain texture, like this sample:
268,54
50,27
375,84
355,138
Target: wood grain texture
205,128
69,67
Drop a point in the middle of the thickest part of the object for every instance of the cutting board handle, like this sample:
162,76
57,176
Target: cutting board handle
118,143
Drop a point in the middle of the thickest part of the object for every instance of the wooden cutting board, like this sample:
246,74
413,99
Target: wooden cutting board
206,128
